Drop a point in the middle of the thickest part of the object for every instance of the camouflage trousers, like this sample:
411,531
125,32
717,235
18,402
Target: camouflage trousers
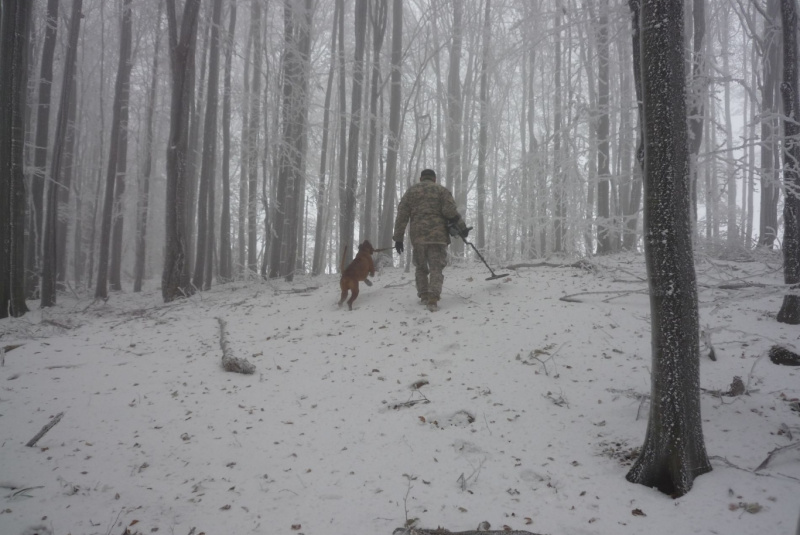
429,260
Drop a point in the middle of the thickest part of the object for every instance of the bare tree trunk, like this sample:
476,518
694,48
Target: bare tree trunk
253,130
283,198
244,159
348,228
298,143
733,241
225,259
630,240
117,153
770,186
390,187
115,267
67,185
39,176
143,199
378,32
14,39
603,132
175,280
454,113
205,207
697,96
483,135
558,174
56,168
318,264
790,309
674,452
342,170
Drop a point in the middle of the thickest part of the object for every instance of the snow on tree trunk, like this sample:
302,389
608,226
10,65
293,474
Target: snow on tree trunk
790,310
674,451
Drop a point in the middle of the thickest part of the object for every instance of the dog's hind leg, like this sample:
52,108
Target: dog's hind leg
352,298
343,297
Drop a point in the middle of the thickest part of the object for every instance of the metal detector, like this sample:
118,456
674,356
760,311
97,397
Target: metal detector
494,275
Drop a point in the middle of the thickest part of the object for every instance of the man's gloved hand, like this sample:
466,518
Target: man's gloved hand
398,246
464,233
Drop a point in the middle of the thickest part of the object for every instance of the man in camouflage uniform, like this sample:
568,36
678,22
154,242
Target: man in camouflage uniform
432,211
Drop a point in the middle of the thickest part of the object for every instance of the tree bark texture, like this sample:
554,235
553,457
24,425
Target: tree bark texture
673,453
205,206
252,139
393,142
770,186
603,133
174,278
483,134
14,36
39,176
225,253
318,263
117,153
49,253
790,310
351,185
143,198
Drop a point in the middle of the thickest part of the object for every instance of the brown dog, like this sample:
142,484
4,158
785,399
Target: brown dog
359,268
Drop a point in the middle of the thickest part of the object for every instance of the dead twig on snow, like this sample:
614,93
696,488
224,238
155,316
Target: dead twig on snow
32,442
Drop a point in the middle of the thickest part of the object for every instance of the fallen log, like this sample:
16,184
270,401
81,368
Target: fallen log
229,362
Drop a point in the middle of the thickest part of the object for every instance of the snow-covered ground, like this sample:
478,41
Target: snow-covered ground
508,405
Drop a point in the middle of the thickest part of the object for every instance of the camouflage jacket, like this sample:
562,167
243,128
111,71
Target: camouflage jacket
429,206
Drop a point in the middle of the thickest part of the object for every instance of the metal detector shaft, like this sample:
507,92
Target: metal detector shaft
494,276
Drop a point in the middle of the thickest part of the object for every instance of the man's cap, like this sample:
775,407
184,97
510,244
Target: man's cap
428,172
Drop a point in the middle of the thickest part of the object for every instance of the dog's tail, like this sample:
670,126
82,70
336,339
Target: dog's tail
344,253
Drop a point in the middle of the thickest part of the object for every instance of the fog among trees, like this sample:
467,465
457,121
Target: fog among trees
307,120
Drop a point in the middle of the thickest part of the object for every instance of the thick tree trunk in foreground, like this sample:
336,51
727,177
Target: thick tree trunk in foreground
673,453
14,35
790,310
174,279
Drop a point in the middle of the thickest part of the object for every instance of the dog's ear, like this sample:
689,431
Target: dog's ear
367,246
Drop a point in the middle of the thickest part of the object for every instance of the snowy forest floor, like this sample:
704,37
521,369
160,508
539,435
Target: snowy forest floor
509,405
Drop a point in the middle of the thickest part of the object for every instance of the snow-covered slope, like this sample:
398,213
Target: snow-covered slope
508,405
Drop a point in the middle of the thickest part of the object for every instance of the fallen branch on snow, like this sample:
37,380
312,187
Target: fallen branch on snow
779,452
32,442
229,362
580,264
